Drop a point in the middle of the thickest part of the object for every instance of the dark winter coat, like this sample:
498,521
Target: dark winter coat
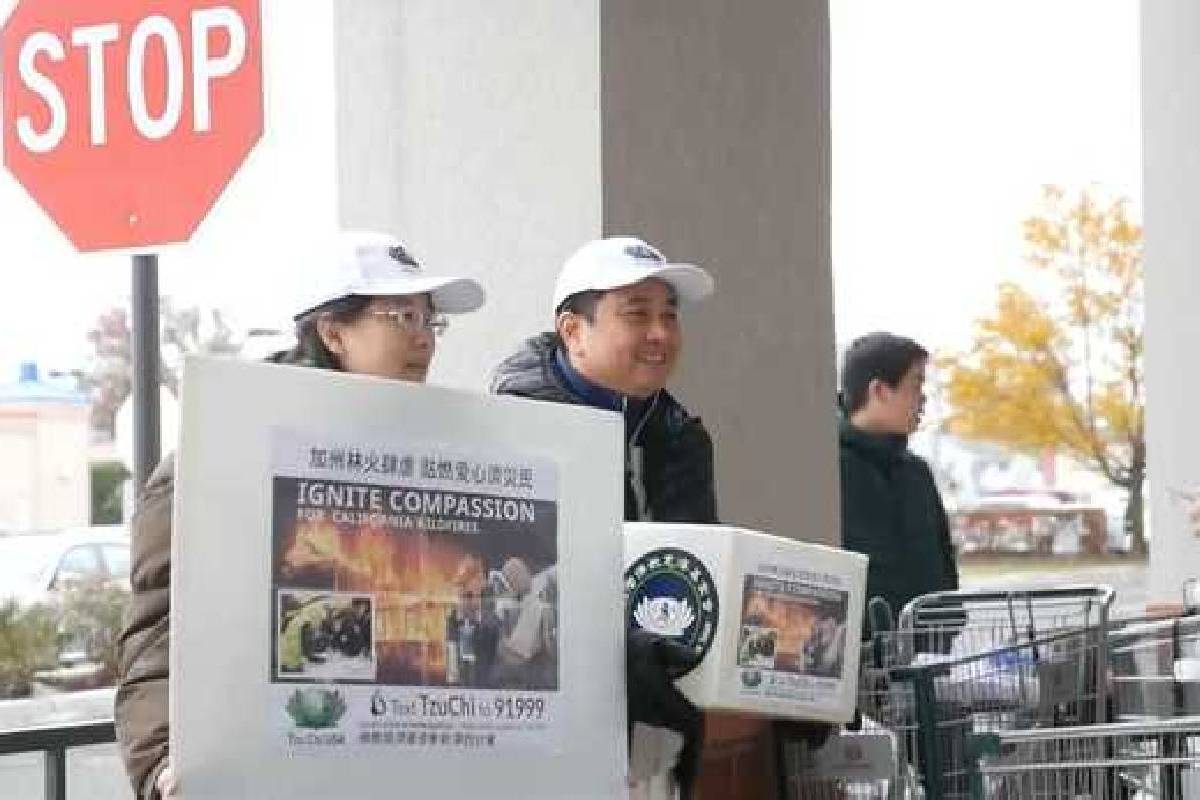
892,512
668,455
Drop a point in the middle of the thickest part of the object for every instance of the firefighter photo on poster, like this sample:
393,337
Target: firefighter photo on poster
414,597
792,637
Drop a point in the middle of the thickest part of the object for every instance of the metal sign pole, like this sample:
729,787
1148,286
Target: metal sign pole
146,380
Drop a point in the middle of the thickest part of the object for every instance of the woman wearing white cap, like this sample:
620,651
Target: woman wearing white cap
376,312
371,311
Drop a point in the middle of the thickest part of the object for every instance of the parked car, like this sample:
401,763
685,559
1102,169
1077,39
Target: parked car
41,567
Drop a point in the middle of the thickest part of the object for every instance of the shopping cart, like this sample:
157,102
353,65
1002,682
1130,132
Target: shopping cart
1051,681
1154,663
970,622
862,764
1119,761
956,664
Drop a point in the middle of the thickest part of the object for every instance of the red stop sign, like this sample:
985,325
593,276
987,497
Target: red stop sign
125,119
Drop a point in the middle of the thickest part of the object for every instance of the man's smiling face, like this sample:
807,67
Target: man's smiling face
633,341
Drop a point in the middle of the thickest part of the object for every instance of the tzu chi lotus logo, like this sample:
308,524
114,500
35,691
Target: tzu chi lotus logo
665,616
669,592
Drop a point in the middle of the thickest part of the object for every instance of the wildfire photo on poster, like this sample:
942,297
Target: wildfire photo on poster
792,627
425,587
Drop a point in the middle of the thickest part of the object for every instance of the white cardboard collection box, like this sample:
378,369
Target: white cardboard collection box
777,621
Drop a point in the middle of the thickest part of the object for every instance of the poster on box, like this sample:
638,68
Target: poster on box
792,635
413,596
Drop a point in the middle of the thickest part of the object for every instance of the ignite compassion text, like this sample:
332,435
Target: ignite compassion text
426,502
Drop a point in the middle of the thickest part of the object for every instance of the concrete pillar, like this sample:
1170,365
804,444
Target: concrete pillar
716,147
1171,129
497,137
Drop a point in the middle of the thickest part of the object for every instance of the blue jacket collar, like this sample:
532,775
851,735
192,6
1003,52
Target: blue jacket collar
588,393
597,396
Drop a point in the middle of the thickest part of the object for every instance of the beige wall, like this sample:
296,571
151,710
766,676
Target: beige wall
497,137
44,480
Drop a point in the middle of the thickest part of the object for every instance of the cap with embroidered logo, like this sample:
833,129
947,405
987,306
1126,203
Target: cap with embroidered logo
378,264
617,261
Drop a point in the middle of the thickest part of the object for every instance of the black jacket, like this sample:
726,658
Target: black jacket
892,512
668,478
668,453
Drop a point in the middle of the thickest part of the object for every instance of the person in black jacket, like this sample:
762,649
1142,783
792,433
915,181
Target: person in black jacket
616,342
891,509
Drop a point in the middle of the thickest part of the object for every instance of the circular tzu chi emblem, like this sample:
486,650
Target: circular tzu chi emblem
670,592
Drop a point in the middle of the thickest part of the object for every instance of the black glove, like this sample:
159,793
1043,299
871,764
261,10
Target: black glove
652,663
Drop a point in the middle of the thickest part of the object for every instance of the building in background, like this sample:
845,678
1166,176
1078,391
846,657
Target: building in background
44,439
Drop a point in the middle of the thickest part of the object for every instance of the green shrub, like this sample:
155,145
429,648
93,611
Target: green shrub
95,613
28,643
108,487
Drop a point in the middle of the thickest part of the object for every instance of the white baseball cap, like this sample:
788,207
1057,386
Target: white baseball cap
378,264
617,261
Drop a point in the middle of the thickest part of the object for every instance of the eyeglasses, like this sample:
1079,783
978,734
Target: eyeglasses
414,320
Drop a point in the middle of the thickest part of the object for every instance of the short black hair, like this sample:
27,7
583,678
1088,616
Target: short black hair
584,303
581,303
876,356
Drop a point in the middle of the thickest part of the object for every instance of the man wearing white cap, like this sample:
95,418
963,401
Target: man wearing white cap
615,345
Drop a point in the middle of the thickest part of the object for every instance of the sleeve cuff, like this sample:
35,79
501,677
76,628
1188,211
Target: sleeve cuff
149,786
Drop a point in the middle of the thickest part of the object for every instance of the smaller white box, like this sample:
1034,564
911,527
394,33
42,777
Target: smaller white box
777,621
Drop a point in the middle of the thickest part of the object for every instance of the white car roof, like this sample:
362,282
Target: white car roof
28,558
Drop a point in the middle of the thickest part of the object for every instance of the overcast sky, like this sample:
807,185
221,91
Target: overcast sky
948,116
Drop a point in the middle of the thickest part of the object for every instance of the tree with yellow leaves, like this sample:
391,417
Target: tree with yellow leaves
1063,369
